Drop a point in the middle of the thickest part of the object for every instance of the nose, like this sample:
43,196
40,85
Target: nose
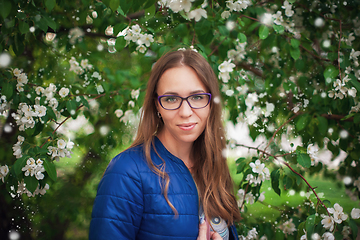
185,110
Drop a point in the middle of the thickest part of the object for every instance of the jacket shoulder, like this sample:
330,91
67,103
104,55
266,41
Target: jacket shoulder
127,162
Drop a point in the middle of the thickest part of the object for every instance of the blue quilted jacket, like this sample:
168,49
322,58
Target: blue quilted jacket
130,204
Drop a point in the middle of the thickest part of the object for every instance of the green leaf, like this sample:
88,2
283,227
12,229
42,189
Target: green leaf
330,73
240,167
50,4
31,183
7,90
50,113
149,3
5,8
279,235
295,53
356,83
241,37
50,169
302,121
357,118
42,24
279,28
19,44
263,32
288,182
84,102
303,159
239,160
310,225
354,228
120,44
150,12
334,149
23,27
125,6
206,38
119,27
203,27
50,22
323,125
295,43
71,106
223,30
19,164
114,4
275,176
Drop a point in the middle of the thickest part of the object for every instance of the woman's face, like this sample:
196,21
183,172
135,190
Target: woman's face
185,124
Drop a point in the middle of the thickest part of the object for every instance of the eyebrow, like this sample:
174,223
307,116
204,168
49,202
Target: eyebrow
192,92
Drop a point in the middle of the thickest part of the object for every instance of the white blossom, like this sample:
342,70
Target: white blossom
354,54
352,92
135,93
40,111
17,72
22,79
249,198
131,104
146,39
64,92
312,151
288,227
39,90
75,34
355,213
328,236
141,48
238,5
252,234
179,5
270,107
225,76
251,99
69,144
109,31
226,66
327,222
225,14
197,14
257,167
119,113
287,6
85,64
338,213
4,170
278,18
61,144
34,168
350,39
345,232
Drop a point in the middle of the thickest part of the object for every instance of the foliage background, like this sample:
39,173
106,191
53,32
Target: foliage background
292,75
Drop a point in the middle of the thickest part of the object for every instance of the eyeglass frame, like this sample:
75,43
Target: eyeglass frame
182,99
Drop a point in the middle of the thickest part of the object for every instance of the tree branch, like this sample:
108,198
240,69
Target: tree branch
286,164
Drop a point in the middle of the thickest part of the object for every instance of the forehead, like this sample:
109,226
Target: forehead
180,80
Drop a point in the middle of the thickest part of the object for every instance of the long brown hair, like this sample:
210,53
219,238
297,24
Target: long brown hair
210,170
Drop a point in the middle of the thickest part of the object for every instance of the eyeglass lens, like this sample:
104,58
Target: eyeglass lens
195,101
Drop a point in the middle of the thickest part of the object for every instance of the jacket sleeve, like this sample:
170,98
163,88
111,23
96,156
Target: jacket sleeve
118,205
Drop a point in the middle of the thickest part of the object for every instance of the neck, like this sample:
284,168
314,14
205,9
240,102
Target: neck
180,150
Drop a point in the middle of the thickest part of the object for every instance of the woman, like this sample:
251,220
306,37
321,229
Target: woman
158,187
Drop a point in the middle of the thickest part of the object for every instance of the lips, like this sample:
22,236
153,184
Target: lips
187,126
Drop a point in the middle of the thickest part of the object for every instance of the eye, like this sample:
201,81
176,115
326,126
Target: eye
170,99
197,97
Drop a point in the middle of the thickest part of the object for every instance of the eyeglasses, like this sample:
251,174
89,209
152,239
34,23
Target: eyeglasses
195,101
